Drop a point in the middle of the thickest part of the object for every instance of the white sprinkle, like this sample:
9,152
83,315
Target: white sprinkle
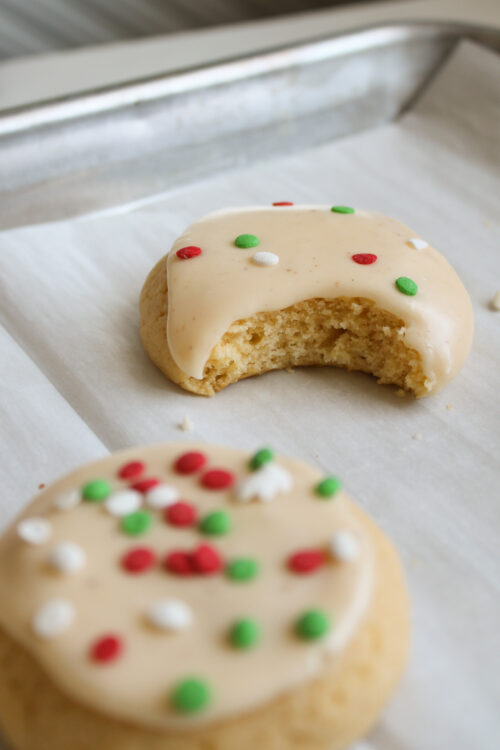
262,258
418,244
67,557
162,496
344,546
67,500
170,614
123,502
264,484
495,302
186,425
53,618
34,530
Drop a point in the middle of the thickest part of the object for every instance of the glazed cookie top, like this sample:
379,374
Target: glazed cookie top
177,584
235,263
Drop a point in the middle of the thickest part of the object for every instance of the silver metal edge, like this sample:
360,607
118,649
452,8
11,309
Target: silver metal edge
112,98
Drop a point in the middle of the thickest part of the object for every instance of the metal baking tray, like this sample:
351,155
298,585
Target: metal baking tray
121,144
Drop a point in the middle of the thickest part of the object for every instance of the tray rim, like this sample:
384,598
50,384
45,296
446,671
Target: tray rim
19,120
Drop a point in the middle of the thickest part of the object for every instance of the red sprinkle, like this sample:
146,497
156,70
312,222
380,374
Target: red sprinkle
138,560
188,463
206,560
364,259
131,470
217,479
180,563
191,251
143,485
107,648
181,514
306,561
283,203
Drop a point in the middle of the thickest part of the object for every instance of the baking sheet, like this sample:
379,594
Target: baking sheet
75,382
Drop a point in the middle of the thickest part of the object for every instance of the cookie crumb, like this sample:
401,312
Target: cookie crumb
186,425
400,393
41,485
449,407
289,369
417,436
495,302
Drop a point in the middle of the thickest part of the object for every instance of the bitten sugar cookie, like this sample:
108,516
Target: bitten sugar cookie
245,291
180,598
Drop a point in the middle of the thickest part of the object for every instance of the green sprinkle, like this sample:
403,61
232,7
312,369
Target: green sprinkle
137,523
191,695
216,523
406,286
342,209
245,633
246,241
312,625
96,491
328,487
243,569
264,456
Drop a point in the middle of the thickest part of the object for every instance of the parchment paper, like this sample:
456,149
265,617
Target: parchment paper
75,382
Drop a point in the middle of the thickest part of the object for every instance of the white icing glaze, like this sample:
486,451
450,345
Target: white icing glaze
315,247
73,611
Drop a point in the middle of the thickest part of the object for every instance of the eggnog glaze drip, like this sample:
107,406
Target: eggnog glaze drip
109,600
315,248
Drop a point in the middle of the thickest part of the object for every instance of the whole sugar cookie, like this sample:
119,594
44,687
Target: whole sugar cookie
276,618
284,286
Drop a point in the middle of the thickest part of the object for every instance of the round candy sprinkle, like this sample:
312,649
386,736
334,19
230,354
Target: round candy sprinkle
246,240
170,614
53,618
106,649
418,244
242,569
161,496
96,491
123,502
206,560
132,470
34,531
181,514
406,286
312,625
263,258
263,456
328,487
67,500
191,695
306,561
364,259
216,523
138,560
245,633
344,546
144,485
188,463
180,563
137,523
67,557
282,203
191,251
342,209
217,479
